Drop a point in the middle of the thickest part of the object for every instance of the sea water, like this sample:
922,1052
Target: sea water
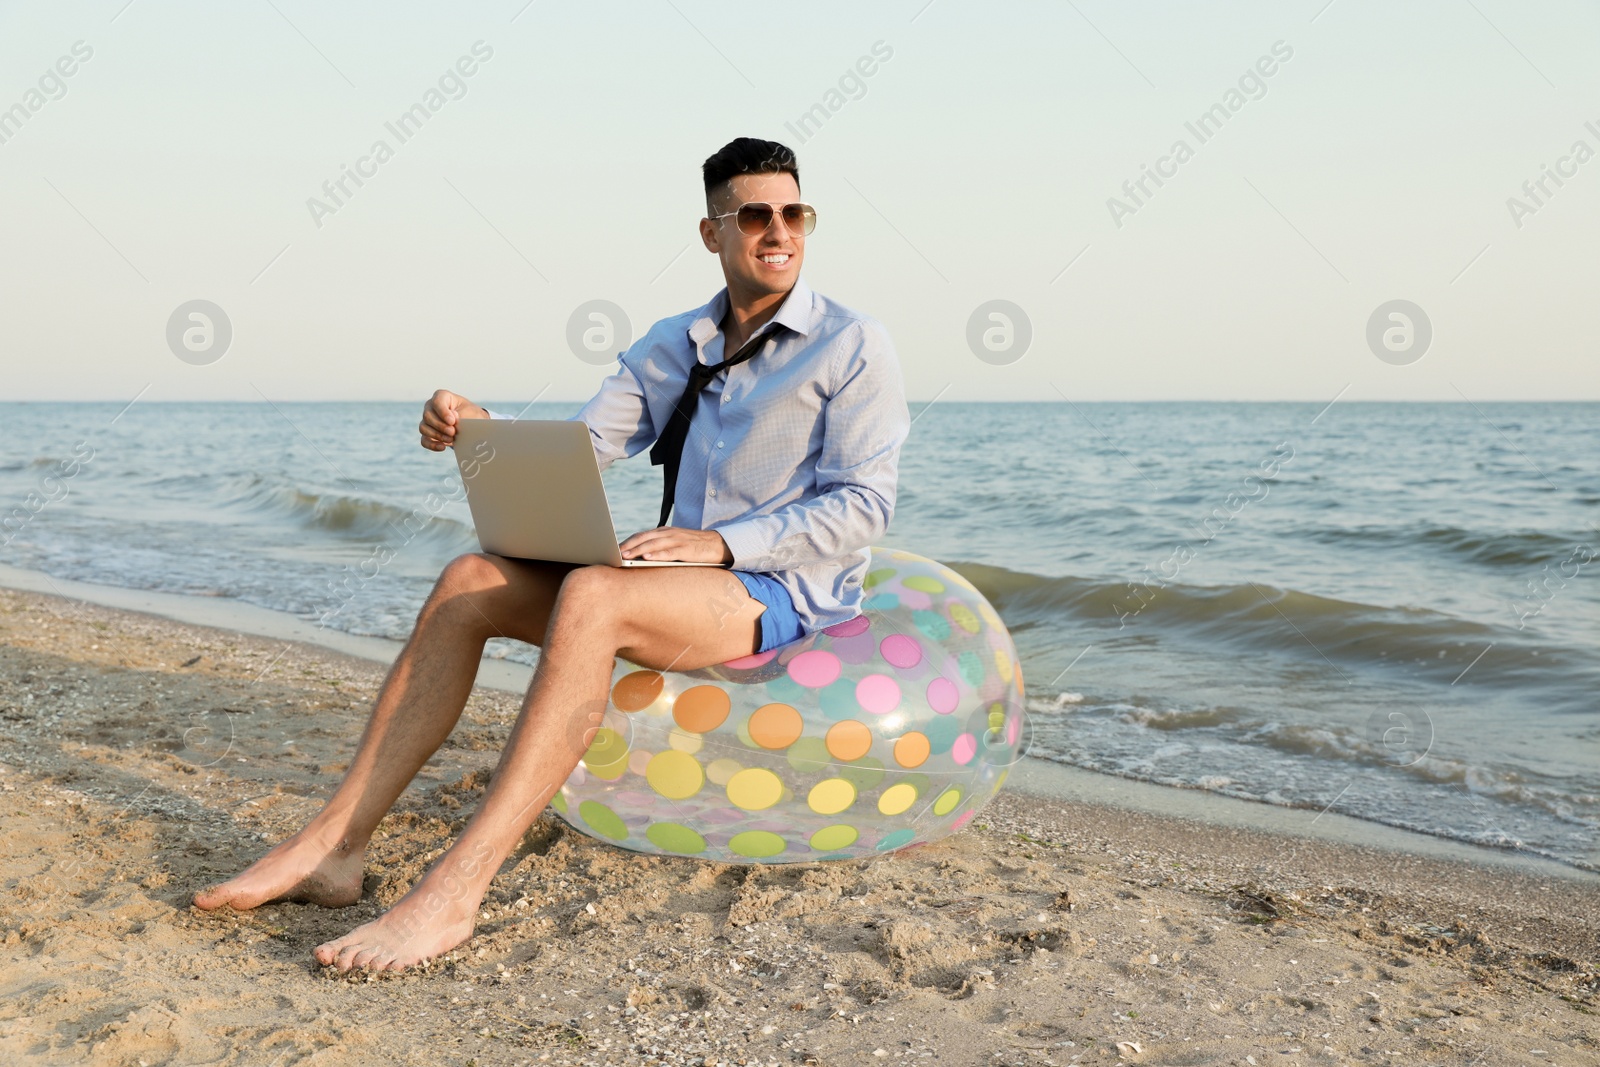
1387,611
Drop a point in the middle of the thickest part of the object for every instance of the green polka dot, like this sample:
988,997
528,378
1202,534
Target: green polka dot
602,820
877,577
865,773
971,665
808,755
785,690
838,700
933,625
896,839
833,838
923,583
742,730
757,844
941,733
919,782
675,837
947,801
559,802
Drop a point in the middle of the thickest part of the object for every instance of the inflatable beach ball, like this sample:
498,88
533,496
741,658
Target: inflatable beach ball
888,730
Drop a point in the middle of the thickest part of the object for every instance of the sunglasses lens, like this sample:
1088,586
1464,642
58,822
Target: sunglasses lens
800,218
755,218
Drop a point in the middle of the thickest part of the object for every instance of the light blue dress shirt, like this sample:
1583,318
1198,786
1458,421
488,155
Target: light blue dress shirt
792,456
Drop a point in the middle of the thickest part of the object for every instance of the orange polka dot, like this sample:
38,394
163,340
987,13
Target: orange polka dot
701,708
637,690
848,740
775,726
911,750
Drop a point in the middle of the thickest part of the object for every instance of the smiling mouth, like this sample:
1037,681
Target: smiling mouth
776,259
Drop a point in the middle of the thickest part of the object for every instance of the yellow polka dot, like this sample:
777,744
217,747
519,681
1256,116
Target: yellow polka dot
947,801
900,553
775,726
911,750
675,775
718,771
989,616
701,708
897,798
963,617
831,796
754,789
833,838
637,690
607,755
849,740
757,844
1002,663
684,741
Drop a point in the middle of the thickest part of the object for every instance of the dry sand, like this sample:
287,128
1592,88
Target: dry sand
144,758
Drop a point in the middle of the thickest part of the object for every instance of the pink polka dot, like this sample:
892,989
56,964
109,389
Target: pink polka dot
965,747
850,627
749,663
915,600
901,650
814,668
1013,729
966,817
878,693
943,696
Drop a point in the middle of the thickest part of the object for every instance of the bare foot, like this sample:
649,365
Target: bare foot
299,870
424,923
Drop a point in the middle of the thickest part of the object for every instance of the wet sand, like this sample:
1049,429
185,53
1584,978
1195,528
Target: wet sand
144,758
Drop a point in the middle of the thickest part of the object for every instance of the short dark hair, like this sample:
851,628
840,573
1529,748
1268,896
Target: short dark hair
748,155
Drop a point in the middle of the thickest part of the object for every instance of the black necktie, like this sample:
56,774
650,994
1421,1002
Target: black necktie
668,448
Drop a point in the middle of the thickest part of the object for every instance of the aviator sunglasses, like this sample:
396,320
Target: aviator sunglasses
754,218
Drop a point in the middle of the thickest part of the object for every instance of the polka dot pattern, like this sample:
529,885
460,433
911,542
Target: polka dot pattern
890,728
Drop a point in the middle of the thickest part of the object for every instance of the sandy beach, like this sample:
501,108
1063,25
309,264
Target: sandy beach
145,758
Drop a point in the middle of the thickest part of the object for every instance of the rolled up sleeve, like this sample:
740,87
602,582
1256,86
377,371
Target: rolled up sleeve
865,423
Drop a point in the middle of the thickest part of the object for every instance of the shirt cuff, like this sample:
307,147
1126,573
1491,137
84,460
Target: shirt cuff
497,415
745,540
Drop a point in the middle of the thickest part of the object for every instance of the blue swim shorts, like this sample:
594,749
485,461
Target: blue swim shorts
779,623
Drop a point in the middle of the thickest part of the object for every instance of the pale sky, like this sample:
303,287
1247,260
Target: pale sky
975,163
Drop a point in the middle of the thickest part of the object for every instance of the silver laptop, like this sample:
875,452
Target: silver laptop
535,492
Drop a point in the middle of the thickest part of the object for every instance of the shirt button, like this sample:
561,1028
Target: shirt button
724,398
719,444
713,492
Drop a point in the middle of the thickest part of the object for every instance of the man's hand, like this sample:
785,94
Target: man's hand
675,542
440,415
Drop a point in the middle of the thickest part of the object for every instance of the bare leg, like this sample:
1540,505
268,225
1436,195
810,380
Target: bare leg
681,618
476,598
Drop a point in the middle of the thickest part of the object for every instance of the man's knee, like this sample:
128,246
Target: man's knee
470,573
592,582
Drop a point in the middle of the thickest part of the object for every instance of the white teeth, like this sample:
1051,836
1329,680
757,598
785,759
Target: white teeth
775,259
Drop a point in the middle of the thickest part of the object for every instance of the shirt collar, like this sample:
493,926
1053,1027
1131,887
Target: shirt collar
795,313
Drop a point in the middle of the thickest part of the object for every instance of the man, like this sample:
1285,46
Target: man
787,473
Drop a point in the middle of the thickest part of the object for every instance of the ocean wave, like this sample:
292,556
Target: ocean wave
1515,549
1431,645
353,517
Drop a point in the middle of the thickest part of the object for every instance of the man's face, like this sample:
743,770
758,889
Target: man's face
762,264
